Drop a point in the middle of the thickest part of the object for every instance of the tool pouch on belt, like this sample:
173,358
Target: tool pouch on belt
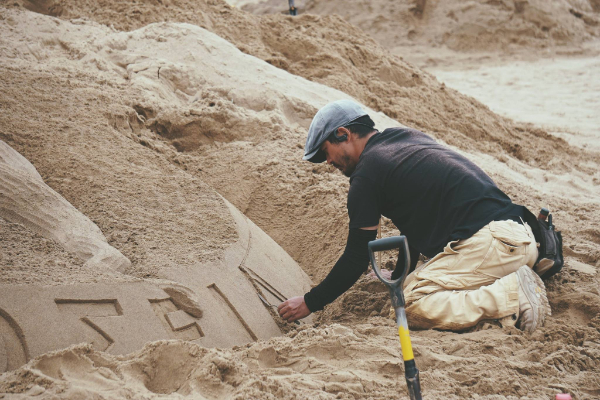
550,260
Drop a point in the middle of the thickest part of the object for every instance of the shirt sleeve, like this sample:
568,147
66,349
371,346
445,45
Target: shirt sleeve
363,203
351,265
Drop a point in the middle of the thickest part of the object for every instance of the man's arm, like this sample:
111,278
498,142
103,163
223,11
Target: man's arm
346,271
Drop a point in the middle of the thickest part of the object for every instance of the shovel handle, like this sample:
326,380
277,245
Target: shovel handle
293,9
390,243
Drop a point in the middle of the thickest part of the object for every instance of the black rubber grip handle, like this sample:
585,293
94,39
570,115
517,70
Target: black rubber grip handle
391,243
388,243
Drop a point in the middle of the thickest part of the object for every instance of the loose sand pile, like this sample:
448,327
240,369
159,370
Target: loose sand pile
463,26
135,129
559,94
333,362
328,50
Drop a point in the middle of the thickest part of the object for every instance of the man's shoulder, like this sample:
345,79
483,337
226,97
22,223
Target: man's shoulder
404,132
386,149
398,137
386,145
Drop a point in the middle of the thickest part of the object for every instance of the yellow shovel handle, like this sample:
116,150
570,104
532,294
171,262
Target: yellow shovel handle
407,351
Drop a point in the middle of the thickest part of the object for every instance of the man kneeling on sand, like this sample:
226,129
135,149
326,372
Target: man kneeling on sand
481,252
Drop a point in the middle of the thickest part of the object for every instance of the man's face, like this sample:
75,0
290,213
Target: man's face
339,155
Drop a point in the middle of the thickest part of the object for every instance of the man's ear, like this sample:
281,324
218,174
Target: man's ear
343,134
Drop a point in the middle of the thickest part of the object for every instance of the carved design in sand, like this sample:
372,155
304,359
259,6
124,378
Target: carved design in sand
213,303
180,323
91,313
225,300
13,348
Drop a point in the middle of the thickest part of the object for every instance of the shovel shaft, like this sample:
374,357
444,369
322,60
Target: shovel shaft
412,383
410,368
405,343
293,9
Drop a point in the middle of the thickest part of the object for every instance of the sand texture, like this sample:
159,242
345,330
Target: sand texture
463,26
176,129
328,50
566,86
26,199
203,261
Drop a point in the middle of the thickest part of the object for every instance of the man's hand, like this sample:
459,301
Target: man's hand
293,309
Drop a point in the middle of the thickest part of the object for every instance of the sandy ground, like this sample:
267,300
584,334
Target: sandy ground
558,94
474,26
179,111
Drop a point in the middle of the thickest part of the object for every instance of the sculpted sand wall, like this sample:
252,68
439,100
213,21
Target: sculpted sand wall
215,304
26,199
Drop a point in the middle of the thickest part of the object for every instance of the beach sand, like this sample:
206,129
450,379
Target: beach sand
174,132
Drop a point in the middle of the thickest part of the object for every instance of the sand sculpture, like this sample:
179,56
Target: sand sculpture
26,199
218,306
221,309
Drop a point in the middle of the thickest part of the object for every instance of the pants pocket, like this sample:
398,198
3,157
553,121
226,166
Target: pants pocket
511,237
508,250
453,247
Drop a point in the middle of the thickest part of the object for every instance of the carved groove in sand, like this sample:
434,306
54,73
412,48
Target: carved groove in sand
117,318
91,313
183,325
13,348
266,286
257,281
225,300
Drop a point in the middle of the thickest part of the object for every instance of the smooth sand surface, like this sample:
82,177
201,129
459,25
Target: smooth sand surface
559,94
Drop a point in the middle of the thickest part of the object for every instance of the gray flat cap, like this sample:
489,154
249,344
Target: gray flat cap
327,120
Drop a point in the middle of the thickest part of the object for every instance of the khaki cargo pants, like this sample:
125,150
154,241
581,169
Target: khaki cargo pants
462,285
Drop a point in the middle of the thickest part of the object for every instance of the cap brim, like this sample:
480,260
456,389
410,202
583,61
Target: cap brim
316,156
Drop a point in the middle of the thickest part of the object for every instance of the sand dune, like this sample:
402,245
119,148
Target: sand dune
328,50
